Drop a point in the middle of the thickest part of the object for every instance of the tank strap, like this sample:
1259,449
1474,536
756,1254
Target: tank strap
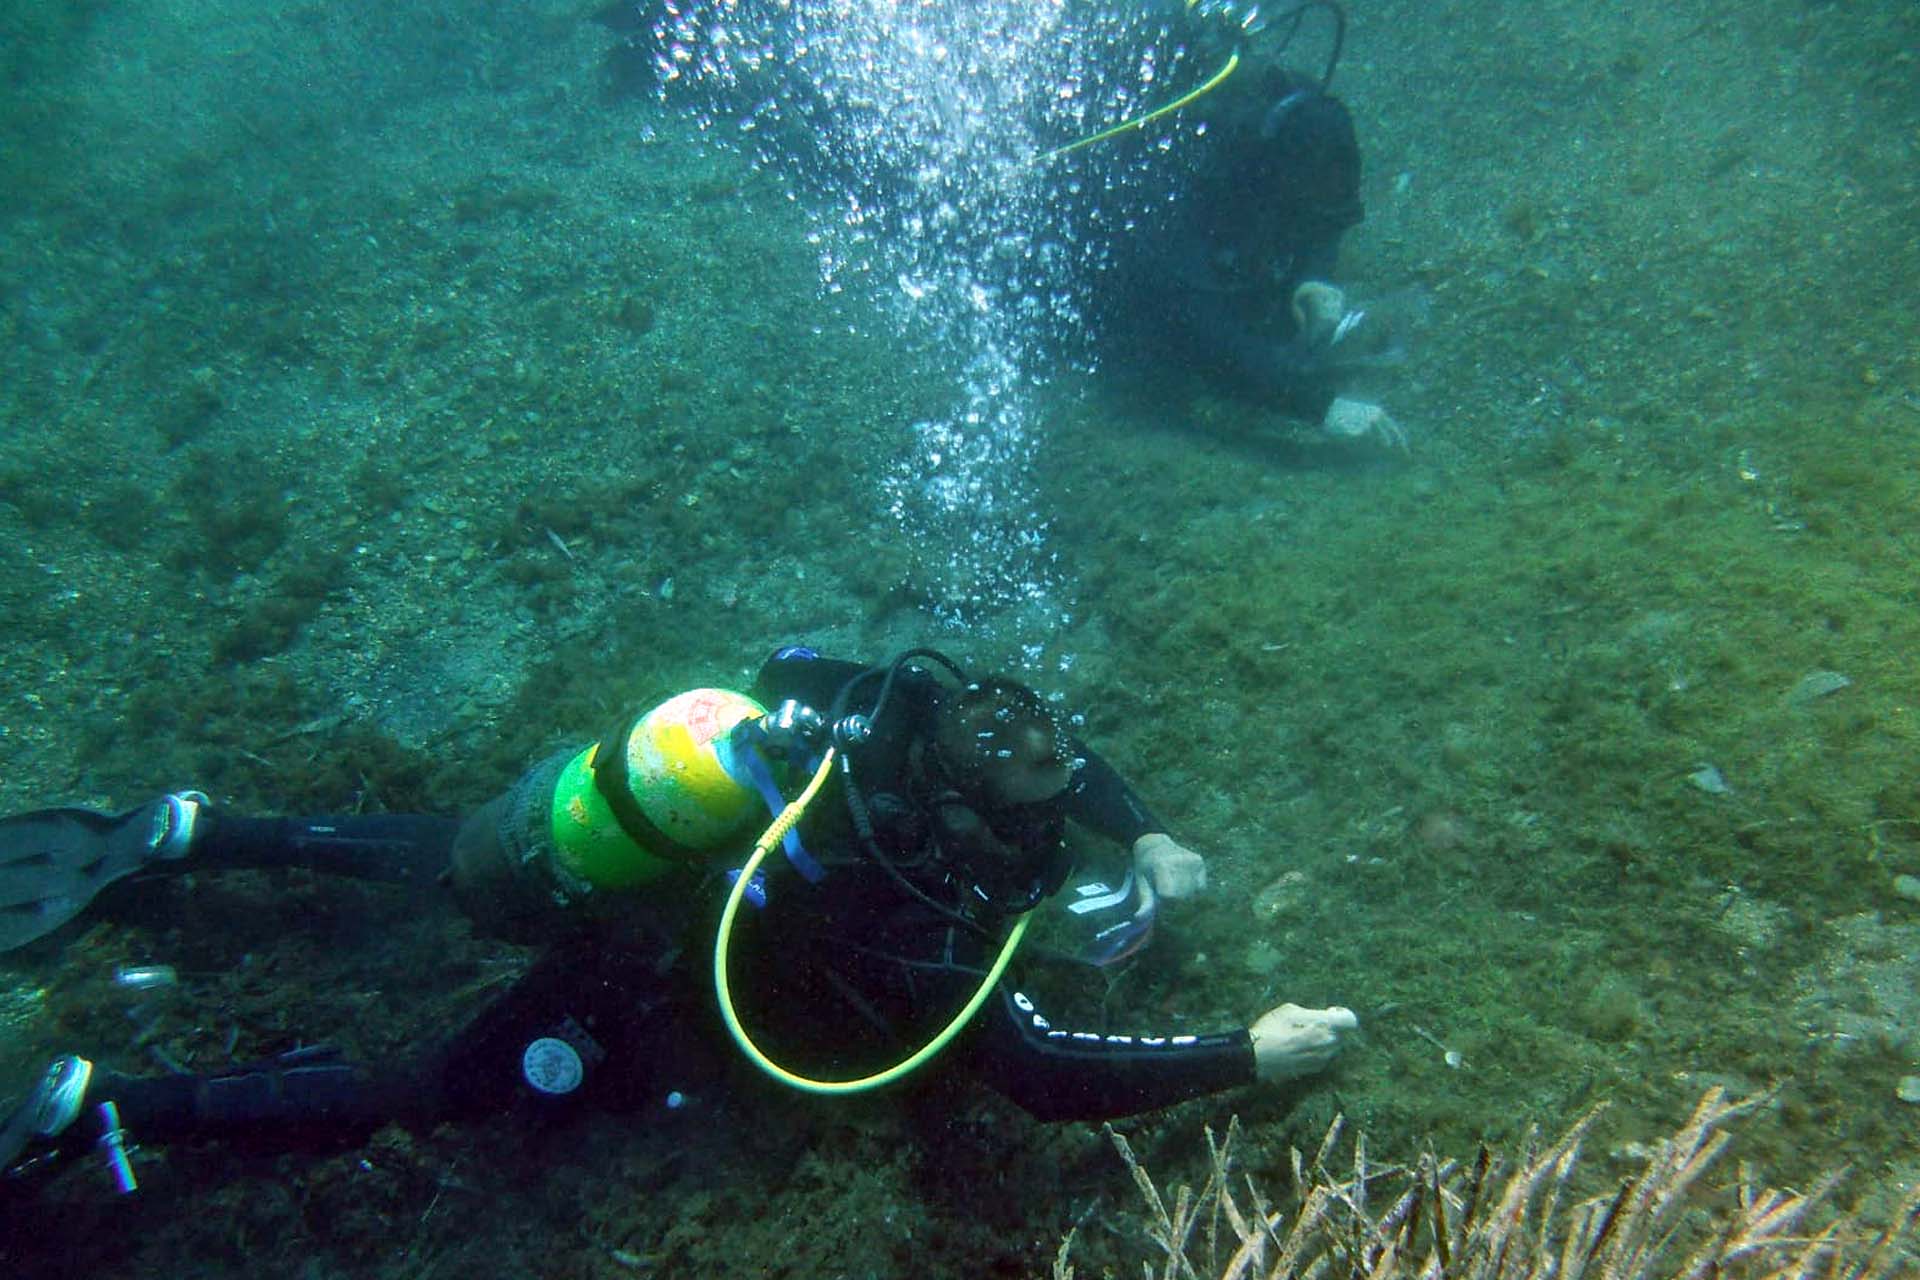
615,785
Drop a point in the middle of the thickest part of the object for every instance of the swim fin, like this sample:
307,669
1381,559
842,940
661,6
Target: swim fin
47,1110
53,861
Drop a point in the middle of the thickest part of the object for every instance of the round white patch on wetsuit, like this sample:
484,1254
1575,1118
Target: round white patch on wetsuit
552,1066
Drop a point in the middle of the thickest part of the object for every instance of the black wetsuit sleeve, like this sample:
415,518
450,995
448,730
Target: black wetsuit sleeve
1056,1074
1217,324
1294,372
1299,380
912,970
1314,261
1289,373
1100,800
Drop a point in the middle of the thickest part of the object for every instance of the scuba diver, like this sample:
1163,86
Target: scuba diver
1199,186
1221,212
918,817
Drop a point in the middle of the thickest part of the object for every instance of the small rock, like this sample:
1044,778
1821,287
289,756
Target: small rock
1282,897
1710,780
1908,1090
1815,685
1907,887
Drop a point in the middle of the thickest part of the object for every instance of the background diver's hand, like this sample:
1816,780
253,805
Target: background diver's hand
1290,1041
1168,868
1358,420
1319,309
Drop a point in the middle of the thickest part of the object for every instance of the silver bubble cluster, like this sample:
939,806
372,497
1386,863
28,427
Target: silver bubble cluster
916,133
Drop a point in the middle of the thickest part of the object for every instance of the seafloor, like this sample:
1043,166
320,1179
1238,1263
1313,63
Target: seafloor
386,404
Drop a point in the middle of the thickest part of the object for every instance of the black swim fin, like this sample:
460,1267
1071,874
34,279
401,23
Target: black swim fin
53,861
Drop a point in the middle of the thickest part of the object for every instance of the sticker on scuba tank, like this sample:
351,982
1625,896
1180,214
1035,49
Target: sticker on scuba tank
552,1066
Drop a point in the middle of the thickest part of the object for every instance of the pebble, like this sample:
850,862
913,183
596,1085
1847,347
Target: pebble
1282,897
1816,685
145,977
1710,780
1907,887
1908,1090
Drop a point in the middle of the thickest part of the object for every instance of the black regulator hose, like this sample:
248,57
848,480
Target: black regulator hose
1297,15
858,811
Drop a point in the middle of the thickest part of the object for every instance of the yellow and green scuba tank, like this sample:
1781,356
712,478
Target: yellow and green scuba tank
660,794
673,789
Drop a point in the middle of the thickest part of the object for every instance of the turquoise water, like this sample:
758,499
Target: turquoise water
386,402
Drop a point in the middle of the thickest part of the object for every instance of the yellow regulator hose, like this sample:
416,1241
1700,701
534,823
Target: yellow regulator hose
768,840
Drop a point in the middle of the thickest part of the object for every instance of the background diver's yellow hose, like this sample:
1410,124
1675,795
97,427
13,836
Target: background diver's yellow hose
1141,122
722,936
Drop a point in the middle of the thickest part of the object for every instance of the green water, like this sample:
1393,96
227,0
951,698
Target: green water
382,405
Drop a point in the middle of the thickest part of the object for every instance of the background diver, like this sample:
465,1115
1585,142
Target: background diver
933,822
1200,183
1220,210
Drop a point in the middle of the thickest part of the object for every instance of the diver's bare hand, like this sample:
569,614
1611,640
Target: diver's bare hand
1358,420
1169,869
1291,1041
1319,310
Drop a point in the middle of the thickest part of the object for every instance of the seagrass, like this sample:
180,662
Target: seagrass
1502,1219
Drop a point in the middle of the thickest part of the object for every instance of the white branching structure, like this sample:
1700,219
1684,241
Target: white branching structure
1495,1221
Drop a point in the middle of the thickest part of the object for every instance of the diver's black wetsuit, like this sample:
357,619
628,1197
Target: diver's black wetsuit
884,972
846,975
1248,209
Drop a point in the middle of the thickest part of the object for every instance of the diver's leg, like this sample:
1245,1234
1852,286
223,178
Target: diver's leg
400,848
588,1024
53,862
307,1098
607,1025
